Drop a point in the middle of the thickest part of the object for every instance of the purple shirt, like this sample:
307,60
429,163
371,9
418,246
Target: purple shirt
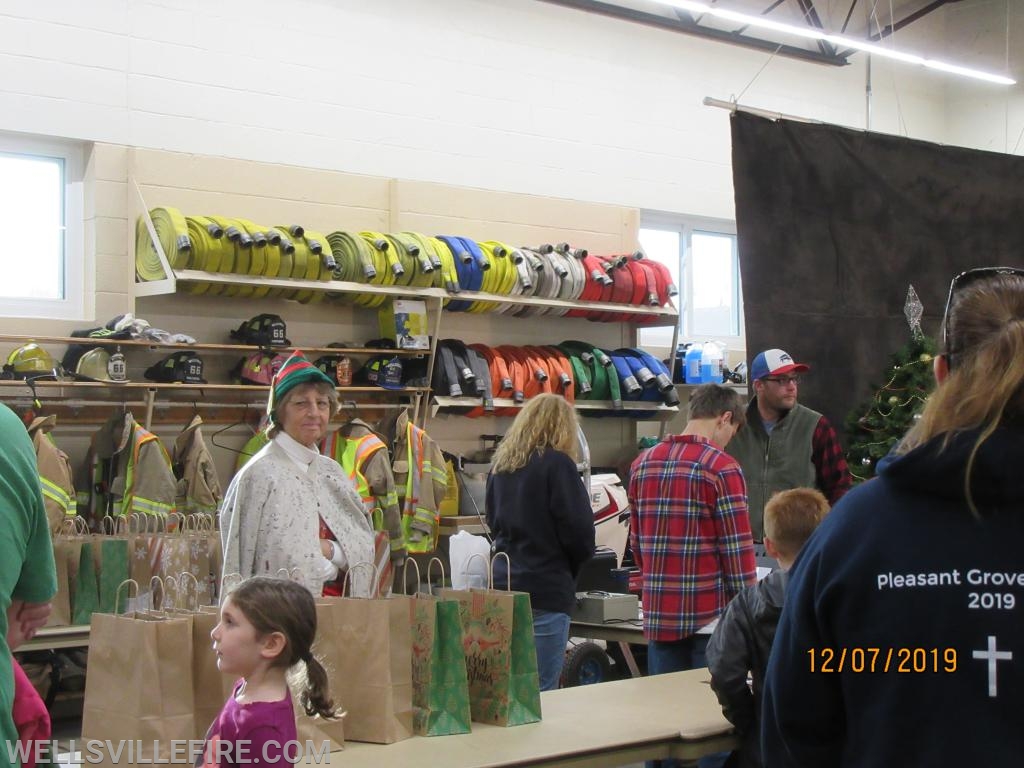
258,734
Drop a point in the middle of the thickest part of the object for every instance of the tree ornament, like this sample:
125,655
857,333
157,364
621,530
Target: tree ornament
925,357
916,417
913,309
866,461
893,400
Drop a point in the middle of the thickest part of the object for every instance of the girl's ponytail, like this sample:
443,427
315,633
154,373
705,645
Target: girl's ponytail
314,698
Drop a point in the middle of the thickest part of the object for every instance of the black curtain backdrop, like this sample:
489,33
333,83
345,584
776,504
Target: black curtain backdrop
835,224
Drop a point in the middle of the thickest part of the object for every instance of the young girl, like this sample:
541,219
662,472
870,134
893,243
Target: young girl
266,627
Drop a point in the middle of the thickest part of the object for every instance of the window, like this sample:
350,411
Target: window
41,218
702,256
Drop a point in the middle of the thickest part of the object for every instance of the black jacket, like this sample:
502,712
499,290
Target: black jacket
920,602
740,644
540,515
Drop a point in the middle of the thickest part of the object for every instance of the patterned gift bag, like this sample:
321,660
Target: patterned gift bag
440,690
501,657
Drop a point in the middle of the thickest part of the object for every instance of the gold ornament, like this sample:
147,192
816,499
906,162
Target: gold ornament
893,400
925,357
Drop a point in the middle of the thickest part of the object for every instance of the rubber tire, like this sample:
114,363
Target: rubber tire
586,664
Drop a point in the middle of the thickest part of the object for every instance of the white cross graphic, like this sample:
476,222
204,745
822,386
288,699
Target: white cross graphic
992,656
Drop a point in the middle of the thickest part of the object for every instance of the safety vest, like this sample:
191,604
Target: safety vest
352,453
420,513
156,475
54,473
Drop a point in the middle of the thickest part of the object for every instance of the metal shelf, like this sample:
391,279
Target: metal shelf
660,410
643,314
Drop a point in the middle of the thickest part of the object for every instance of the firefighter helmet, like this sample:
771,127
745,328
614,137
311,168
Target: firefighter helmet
30,361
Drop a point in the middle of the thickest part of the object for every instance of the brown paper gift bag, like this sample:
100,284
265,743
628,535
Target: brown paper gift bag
60,616
139,685
366,647
67,545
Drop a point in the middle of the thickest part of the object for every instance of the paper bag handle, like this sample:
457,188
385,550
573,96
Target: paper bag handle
171,585
157,584
108,527
508,570
488,565
229,582
405,573
374,576
430,565
184,576
117,594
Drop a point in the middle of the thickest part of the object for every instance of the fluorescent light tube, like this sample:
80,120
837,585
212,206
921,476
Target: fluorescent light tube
837,40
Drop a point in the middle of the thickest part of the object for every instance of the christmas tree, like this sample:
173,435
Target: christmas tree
877,425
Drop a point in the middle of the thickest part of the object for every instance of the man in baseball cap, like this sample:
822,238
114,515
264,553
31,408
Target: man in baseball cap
785,445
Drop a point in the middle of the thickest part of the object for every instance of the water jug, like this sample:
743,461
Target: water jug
691,364
711,363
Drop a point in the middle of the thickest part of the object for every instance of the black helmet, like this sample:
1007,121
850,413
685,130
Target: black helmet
262,331
185,366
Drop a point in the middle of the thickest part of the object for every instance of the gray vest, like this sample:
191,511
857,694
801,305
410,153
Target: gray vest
775,462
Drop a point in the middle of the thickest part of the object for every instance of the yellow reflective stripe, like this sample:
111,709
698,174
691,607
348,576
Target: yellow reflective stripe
55,493
150,507
425,515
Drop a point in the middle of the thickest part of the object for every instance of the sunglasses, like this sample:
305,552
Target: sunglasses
963,280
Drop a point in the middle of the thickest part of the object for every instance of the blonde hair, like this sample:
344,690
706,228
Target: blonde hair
790,518
546,421
322,388
985,384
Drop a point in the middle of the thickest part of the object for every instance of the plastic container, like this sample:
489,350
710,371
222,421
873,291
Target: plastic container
691,364
711,363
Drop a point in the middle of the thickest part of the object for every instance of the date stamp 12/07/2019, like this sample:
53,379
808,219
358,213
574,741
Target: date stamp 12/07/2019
859,660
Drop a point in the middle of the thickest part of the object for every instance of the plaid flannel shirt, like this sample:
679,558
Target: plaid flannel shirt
833,475
690,533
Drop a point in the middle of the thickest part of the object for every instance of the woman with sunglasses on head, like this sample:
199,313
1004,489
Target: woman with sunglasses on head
901,643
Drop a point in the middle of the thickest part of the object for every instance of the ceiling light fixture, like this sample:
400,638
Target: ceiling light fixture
837,40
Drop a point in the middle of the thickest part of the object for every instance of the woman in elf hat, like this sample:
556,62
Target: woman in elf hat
290,507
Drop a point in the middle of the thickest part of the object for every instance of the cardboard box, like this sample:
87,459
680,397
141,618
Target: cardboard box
405,321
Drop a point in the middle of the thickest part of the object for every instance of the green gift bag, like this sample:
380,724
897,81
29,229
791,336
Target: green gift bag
85,598
501,657
440,689
113,569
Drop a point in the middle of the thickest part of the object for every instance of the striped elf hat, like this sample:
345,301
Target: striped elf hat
296,370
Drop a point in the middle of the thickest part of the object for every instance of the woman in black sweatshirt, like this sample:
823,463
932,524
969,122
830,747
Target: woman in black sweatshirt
539,514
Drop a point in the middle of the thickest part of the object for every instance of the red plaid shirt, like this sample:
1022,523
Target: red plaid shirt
833,475
690,533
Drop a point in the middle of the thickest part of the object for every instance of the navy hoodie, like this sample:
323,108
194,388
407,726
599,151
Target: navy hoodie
541,516
922,604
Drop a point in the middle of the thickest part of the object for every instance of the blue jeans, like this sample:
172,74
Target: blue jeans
665,656
676,655
550,634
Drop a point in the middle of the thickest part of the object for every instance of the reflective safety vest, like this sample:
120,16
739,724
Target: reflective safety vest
140,459
55,474
355,454
421,478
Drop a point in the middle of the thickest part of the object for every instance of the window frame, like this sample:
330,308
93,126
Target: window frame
71,155
686,225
